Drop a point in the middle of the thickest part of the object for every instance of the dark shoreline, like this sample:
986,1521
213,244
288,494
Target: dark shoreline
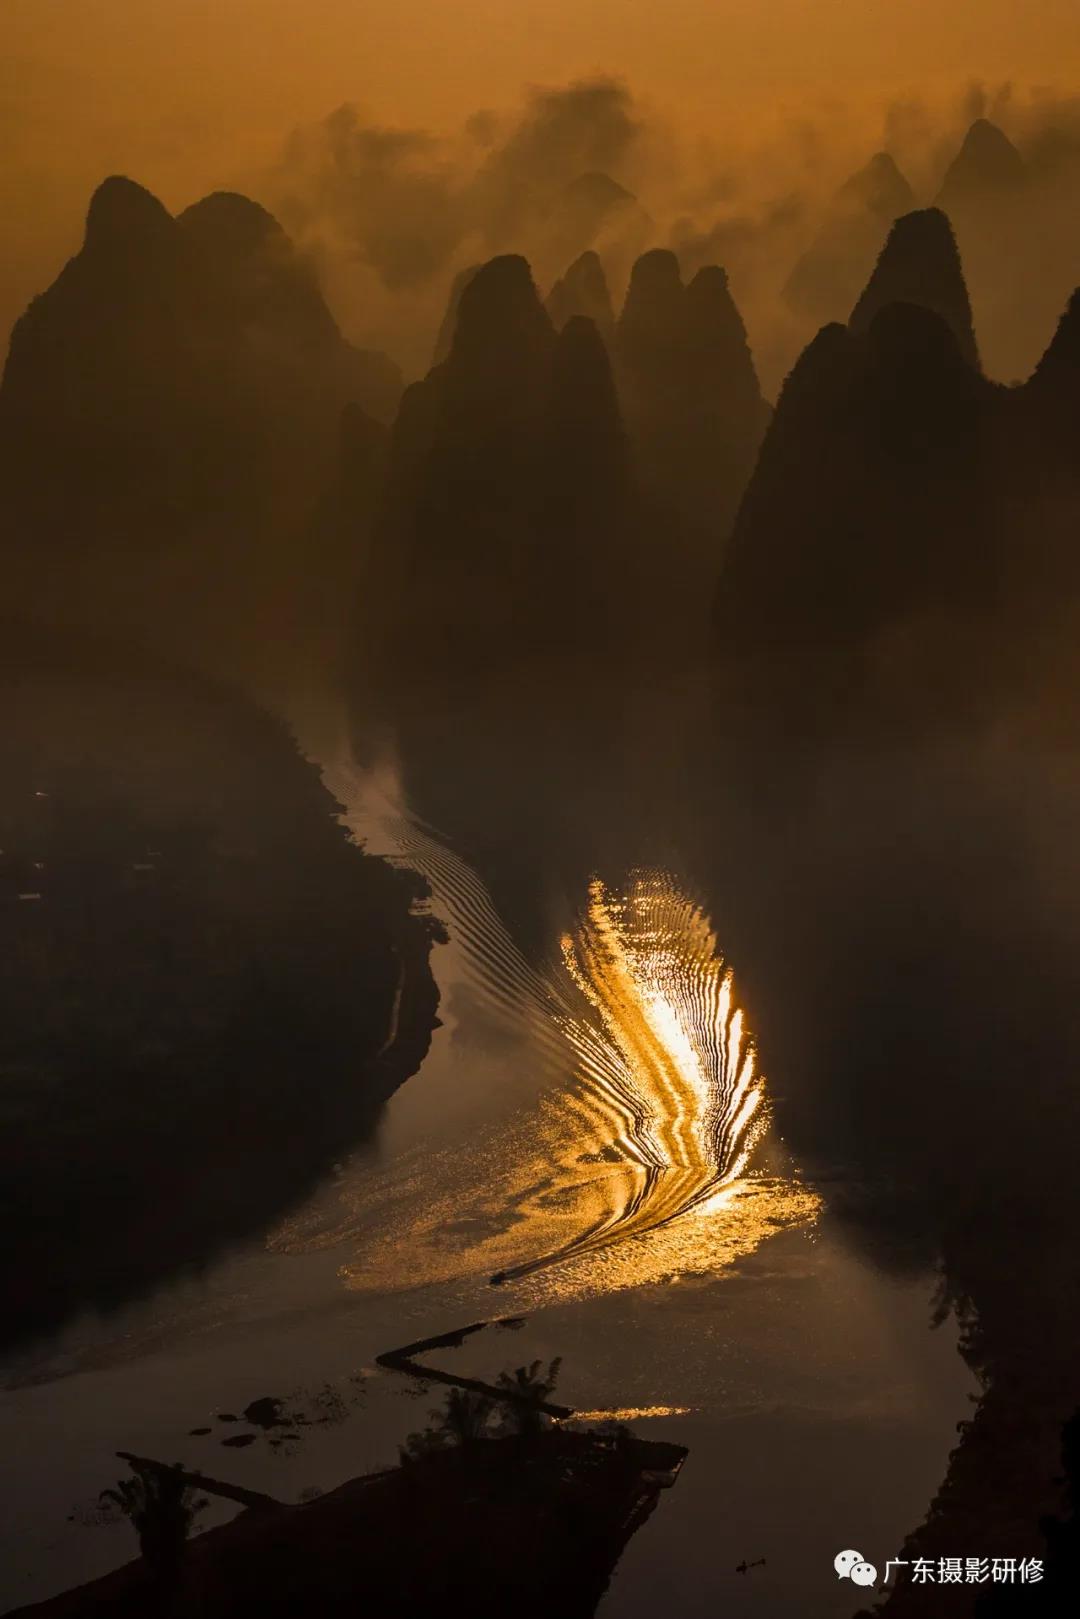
212,994
531,1526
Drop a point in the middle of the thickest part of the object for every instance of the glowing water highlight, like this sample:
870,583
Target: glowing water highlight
666,1075
623,1152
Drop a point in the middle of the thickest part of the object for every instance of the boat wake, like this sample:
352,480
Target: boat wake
666,1079
651,1107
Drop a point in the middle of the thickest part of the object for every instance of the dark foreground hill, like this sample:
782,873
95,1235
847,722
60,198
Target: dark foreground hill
896,782
500,1525
208,992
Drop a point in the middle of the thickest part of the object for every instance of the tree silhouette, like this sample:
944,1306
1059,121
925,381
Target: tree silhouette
530,1387
162,1509
464,1420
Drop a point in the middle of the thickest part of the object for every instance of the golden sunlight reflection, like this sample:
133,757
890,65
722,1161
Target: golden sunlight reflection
454,1218
632,1413
632,1166
641,1151
667,1081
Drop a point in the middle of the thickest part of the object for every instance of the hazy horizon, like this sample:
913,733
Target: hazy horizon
721,117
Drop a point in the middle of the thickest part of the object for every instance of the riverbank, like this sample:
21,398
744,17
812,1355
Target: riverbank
532,1526
210,991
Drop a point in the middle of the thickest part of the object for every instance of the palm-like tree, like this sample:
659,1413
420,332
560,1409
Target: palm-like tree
464,1420
467,1416
530,1386
162,1509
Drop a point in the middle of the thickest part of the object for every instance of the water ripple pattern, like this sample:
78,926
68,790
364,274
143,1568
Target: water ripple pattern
666,1076
655,1103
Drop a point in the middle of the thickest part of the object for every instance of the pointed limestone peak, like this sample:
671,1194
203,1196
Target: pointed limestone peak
655,274
878,188
827,277
589,202
599,192
920,265
125,218
987,163
652,312
230,223
494,381
500,310
254,275
583,290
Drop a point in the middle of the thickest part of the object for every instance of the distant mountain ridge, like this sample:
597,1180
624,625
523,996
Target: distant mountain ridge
826,279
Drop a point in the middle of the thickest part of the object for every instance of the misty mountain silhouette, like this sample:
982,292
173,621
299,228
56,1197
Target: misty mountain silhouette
514,577
267,293
869,512
579,215
592,210
597,194
904,515
591,199
690,396
920,264
987,164
897,673
508,486
826,280
583,290
1014,218
169,413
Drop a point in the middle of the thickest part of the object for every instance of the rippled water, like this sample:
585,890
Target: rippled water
591,1129
635,1159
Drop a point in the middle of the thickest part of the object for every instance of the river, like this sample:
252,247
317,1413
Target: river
591,1129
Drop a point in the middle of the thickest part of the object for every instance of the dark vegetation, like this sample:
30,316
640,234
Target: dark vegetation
896,678
516,1514
207,992
162,1509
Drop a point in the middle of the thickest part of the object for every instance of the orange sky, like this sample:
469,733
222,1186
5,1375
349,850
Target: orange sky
187,95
